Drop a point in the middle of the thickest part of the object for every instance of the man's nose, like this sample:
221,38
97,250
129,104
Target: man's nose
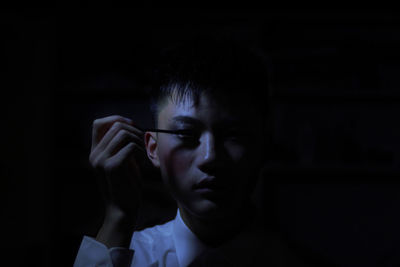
207,153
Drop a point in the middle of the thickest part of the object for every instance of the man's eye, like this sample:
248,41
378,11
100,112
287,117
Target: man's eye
187,135
236,135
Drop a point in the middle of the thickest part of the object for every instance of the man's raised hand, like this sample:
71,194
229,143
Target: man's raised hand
116,147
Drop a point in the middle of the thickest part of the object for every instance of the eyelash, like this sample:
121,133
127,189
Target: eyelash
192,135
186,134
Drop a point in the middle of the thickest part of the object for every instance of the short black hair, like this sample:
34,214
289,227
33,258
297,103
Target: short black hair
222,67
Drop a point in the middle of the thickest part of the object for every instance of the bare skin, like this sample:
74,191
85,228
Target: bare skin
223,149
116,144
220,150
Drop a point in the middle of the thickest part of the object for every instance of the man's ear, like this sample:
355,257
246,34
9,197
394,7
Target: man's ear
150,140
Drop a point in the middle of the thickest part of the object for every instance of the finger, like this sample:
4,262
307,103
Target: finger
120,140
115,128
117,137
101,126
122,155
128,183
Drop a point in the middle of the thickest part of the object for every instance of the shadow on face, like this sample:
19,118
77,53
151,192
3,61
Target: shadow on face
212,168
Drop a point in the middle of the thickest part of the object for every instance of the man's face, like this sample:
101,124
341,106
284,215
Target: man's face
210,170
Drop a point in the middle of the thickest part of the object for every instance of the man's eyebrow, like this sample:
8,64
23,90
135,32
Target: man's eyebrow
186,119
224,124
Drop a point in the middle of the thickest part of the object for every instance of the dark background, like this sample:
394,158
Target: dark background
332,183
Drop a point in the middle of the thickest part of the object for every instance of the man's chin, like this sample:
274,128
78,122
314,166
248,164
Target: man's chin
211,209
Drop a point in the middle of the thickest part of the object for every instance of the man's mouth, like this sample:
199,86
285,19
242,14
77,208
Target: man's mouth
209,184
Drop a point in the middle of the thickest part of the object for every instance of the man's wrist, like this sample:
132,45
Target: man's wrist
117,228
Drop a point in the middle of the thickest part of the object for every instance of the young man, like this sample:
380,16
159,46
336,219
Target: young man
210,106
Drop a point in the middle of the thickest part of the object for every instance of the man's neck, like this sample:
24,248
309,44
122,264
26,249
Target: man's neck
216,232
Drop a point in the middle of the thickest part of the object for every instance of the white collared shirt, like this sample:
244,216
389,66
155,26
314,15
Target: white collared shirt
187,245
169,244
174,244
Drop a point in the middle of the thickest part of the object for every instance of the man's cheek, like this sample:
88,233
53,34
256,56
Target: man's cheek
178,165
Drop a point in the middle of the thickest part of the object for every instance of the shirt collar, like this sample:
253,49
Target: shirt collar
187,245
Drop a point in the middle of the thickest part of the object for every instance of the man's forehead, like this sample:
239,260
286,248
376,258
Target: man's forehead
206,110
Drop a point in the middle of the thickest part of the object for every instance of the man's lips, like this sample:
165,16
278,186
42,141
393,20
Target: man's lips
209,184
